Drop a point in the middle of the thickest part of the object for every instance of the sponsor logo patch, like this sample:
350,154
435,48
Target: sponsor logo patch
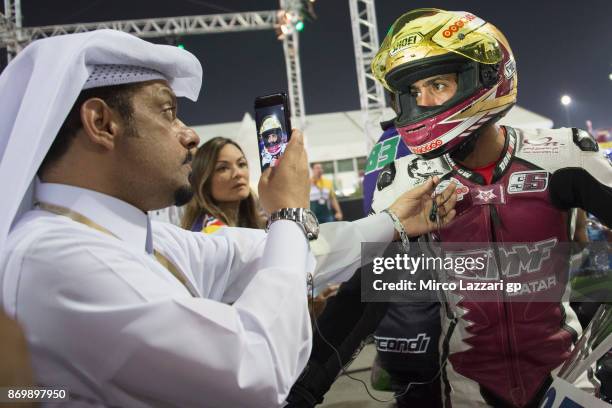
427,147
527,182
492,194
458,24
461,190
486,195
420,170
544,144
417,345
406,42
382,154
509,68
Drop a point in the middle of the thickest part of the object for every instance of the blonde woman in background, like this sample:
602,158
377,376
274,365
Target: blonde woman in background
222,195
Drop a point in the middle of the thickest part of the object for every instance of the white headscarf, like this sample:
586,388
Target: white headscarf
39,87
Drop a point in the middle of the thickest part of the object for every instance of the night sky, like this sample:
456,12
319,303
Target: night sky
560,47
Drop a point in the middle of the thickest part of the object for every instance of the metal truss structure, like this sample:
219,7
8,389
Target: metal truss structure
144,28
10,27
291,49
294,77
14,37
371,92
159,27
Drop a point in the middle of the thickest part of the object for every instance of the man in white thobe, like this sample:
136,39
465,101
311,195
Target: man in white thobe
124,312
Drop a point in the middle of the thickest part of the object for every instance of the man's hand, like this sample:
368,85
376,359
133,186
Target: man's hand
287,184
316,305
413,208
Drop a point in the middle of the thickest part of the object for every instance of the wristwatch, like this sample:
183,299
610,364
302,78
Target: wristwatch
301,216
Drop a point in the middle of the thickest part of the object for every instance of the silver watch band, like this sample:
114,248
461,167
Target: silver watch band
291,214
399,227
299,216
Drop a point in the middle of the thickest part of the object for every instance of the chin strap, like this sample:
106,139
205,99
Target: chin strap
466,148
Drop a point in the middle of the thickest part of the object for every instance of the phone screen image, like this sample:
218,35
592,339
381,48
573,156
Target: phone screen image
271,134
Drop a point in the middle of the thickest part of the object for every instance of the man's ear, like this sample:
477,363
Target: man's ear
101,124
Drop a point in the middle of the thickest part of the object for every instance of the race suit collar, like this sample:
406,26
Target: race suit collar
502,163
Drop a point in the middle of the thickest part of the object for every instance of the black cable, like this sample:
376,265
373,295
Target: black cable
315,327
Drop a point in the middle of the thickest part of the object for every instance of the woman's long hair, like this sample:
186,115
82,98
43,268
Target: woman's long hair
203,203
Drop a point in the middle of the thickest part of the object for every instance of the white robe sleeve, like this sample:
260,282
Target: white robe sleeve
117,320
338,248
337,252
124,323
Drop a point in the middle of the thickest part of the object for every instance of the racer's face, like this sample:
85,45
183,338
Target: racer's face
434,90
272,138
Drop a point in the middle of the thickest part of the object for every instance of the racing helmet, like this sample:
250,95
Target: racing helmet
271,133
428,42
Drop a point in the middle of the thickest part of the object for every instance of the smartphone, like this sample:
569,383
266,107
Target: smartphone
272,118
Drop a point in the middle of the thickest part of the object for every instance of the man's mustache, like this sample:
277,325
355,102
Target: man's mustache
188,158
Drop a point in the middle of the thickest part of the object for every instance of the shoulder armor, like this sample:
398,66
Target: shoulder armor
404,174
386,176
386,124
584,140
547,149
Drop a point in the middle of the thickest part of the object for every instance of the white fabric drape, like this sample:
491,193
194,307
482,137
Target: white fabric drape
38,88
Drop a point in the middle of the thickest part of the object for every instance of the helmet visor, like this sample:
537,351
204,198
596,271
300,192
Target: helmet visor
425,33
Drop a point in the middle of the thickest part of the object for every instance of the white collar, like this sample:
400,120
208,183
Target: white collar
125,221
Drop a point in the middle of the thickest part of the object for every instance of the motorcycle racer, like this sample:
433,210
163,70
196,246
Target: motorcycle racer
453,76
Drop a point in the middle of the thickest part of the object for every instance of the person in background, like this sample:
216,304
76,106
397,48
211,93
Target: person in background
322,196
223,196
220,180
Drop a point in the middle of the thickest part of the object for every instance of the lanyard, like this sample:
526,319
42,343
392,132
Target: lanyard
80,218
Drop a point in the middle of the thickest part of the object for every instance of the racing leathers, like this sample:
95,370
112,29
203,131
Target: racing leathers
502,353
270,159
510,351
